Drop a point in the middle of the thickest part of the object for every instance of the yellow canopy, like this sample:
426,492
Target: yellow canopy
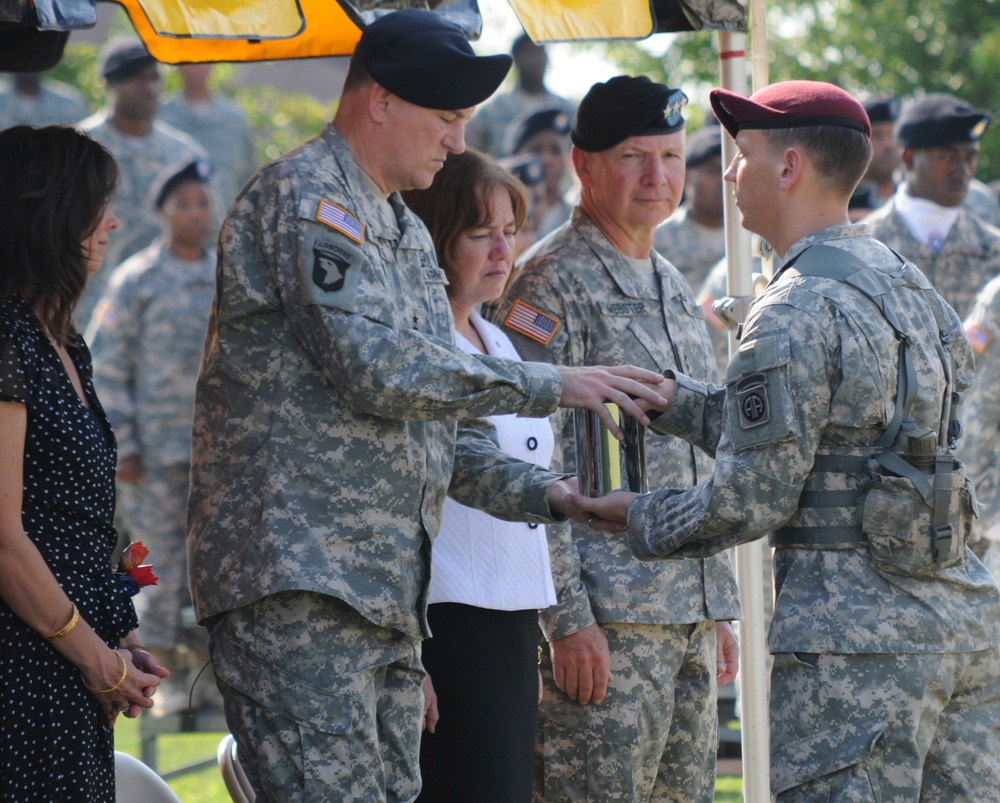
242,30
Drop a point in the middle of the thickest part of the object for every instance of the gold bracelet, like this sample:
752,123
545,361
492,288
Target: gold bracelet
65,629
121,680
132,647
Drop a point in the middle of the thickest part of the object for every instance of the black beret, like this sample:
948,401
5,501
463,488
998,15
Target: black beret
883,109
624,107
703,146
428,62
197,170
938,119
527,124
122,57
529,169
789,104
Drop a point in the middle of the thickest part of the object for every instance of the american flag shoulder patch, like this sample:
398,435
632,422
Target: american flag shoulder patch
978,337
339,219
531,322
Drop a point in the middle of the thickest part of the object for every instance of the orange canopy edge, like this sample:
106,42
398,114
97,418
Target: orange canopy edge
322,29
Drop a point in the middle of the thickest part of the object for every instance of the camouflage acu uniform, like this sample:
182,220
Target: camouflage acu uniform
55,103
980,445
221,127
325,440
969,258
140,160
886,686
655,734
147,336
486,129
693,248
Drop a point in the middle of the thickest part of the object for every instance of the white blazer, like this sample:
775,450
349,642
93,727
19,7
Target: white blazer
483,561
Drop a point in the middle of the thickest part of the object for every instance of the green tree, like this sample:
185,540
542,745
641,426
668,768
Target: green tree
867,48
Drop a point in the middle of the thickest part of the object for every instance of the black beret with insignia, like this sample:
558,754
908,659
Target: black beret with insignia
703,146
527,124
624,107
882,109
939,119
196,170
428,62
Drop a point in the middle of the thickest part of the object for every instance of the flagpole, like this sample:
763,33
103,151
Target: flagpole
754,731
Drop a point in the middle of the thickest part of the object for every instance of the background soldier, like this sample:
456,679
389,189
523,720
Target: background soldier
142,145
694,236
926,221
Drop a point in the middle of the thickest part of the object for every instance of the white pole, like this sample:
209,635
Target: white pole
749,564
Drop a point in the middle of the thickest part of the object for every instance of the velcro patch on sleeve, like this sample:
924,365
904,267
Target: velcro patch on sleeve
532,322
339,219
978,337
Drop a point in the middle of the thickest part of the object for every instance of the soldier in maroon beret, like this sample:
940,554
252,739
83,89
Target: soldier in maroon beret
886,627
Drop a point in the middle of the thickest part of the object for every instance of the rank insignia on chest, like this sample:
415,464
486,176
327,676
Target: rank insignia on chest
531,322
329,270
978,337
751,400
339,219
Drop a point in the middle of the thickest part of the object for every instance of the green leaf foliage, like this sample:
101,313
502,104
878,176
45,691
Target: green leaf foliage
867,48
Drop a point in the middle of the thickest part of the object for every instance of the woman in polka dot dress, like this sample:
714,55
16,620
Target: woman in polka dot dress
70,660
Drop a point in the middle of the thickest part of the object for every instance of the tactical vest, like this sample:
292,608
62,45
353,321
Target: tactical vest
906,498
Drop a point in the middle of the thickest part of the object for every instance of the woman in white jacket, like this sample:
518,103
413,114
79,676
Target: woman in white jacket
489,577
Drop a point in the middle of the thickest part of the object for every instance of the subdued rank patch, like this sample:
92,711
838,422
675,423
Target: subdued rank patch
978,337
339,219
532,322
329,269
751,399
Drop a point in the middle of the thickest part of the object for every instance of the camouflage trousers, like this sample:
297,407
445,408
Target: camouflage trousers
155,512
655,735
887,728
324,704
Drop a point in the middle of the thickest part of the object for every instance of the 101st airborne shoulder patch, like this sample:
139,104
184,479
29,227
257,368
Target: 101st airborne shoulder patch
978,337
339,219
532,322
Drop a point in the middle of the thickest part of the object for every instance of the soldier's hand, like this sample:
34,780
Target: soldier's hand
608,513
129,469
727,653
592,386
581,665
431,715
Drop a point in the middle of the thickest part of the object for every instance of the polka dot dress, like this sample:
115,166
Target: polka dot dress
54,743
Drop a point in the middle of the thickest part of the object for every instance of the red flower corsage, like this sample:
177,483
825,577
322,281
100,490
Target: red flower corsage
133,574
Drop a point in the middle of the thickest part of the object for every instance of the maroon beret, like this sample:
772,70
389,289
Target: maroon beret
790,104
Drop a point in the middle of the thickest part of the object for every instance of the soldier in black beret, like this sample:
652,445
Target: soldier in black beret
629,710
544,135
928,220
327,425
879,182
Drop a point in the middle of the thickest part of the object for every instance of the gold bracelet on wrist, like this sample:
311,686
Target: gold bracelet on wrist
65,629
121,680
131,647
